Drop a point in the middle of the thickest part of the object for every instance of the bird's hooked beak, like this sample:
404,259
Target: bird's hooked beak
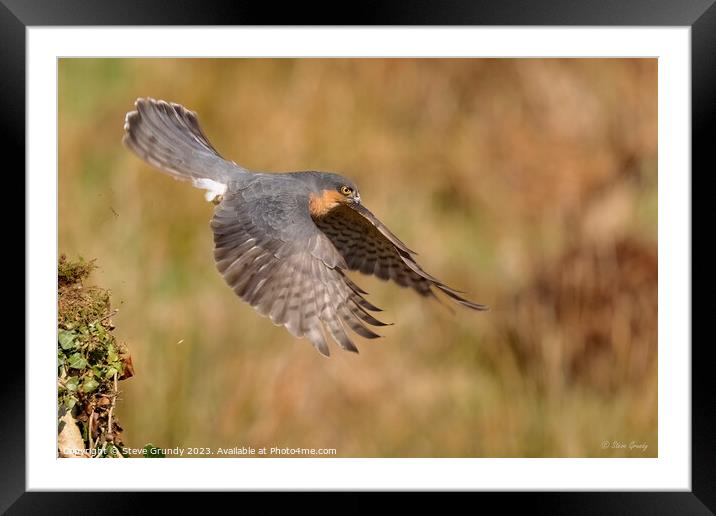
356,198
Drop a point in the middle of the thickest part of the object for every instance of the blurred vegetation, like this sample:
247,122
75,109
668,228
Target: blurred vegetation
531,184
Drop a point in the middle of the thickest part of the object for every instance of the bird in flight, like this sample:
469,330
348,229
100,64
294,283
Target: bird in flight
284,241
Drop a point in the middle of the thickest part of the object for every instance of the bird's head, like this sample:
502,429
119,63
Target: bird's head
332,190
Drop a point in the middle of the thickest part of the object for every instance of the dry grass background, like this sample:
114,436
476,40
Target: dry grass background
530,184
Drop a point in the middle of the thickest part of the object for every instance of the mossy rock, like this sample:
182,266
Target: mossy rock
89,358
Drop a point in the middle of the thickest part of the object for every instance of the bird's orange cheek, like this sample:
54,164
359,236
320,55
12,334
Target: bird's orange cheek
320,205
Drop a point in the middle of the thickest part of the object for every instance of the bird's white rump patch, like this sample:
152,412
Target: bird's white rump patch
213,188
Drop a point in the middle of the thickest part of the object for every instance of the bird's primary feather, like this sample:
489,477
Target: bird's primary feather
370,247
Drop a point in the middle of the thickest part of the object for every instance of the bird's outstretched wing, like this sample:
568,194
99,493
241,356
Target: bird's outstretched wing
368,246
274,257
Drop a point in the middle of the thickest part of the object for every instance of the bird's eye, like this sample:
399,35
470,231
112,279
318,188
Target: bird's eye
346,190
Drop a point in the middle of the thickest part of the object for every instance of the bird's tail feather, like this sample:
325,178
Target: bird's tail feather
168,136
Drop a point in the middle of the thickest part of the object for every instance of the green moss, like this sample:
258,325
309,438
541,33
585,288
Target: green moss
73,272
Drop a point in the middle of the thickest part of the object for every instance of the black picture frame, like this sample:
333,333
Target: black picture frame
700,15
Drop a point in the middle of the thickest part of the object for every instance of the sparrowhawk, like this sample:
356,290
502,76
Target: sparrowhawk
284,241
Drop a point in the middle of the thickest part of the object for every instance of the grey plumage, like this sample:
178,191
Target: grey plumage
276,253
169,137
